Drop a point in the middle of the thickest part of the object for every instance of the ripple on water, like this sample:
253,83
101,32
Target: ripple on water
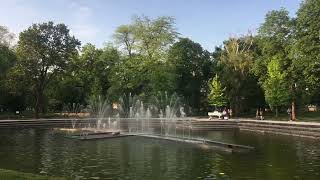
138,158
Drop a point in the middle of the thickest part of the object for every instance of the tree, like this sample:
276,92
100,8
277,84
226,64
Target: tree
86,69
276,40
145,43
275,86
7,61
7,54
124,37
216,96
235,62
192,71
44,50
6,38
153,37
8,58
306,49
128,76
107,60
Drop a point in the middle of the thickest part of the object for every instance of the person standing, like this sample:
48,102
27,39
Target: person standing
289,113
257,114
261,114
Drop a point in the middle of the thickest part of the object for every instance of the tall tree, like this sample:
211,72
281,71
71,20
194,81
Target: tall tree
216,96
276,36
235,63
192,70
275,86
77,82
306,51
7,61
44,50
145,44
9,100
6,37
154,36
125,38
87,67
128,76
104,66
7,54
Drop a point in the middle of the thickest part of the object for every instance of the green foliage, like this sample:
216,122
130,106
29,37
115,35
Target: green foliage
275,86
280,63
87,69
147,37
216,96
44,50
8,100
6,37
306,51
192,71
153,37
7,60
125,38
235,62
238,55
274,39
144,68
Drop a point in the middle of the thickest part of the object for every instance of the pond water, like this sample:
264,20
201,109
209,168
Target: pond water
41,151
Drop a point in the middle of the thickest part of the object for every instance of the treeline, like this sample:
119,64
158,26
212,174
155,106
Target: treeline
277,67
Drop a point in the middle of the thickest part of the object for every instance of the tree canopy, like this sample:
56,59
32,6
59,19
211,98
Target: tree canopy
217,96
43,51
275,86
148,58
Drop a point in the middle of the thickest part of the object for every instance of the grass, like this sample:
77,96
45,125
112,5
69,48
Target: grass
27,115
301,116
15,175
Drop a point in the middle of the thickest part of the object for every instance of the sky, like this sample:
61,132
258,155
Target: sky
208,22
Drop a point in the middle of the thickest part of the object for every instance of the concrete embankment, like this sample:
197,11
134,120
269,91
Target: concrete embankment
35,123
301,129
214,124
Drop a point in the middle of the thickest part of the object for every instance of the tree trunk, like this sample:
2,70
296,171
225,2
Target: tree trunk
38,104
293,110
293,103
276,111
236,108
36,107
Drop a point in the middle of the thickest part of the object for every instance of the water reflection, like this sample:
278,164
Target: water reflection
276,157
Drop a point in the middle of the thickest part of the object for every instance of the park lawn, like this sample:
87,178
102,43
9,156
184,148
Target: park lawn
27,115
309,116
301,116
15,175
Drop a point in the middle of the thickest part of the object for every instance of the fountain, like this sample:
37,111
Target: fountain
137,118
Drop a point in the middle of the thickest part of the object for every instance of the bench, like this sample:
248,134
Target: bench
214,114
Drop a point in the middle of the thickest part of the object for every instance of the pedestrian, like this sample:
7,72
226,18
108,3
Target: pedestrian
261,114
229,113
289,111
224,114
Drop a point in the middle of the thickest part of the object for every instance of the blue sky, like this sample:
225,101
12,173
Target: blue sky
207,22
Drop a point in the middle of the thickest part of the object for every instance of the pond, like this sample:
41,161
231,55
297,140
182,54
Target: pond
41,151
